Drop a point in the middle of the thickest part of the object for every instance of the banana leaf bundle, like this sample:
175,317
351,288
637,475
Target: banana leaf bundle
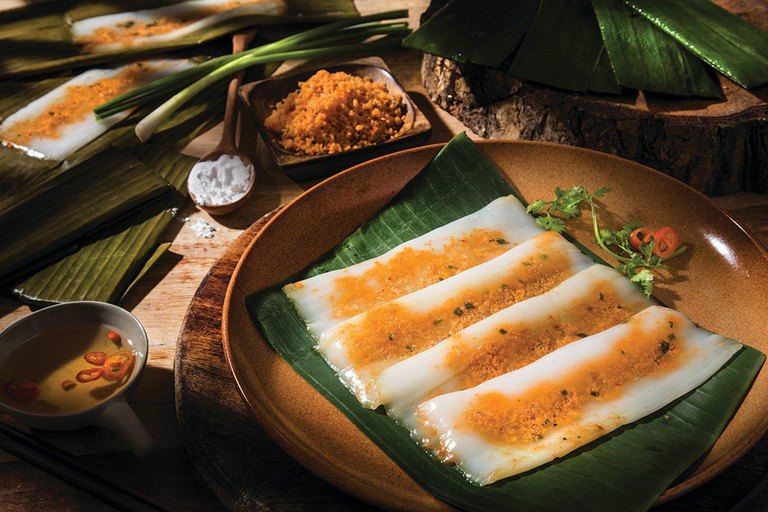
107,264
618,469
37,39
602,46
96,192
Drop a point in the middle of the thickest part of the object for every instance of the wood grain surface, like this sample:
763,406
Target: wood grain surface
229,436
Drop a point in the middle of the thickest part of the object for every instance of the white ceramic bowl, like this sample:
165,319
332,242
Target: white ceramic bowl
113,413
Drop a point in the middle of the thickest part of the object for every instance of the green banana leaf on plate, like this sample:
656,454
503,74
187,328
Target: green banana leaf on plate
619,468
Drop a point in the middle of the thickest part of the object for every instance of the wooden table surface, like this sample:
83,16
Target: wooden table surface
161,299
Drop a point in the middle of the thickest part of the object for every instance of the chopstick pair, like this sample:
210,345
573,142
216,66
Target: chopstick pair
72,470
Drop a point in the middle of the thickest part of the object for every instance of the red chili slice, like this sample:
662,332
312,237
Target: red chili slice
118,364
89,375
640,236
68,384
114,336
96,358
22,390
667,242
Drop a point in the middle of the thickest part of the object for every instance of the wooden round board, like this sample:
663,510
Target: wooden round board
248,471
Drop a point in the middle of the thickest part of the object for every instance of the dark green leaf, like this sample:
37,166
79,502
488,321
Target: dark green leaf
564,48
161,249
462,30
618,470
644,57
724,41
103,268
96,192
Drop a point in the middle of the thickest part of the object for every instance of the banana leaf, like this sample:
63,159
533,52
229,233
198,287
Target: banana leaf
37,40
161,249
644,57
564,48
724,41
107,264
628,468
461,30
97,191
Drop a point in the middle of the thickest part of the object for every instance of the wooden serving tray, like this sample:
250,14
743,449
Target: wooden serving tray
248,471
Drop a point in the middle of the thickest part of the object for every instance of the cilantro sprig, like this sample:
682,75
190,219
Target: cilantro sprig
635,264
566,203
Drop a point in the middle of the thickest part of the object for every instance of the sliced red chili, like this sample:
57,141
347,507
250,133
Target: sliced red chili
114,336
667,242
89,375
96,358
22,390
118,364
68,384
640,236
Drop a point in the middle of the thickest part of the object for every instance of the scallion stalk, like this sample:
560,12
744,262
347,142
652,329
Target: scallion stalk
147,126
320,37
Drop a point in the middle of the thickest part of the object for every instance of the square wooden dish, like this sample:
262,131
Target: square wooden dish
261,97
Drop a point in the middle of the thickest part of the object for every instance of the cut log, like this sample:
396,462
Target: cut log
715,146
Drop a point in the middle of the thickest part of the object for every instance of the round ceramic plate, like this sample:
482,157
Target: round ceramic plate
723,286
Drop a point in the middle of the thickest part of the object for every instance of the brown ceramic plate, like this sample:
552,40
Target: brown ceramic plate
261,97
722,286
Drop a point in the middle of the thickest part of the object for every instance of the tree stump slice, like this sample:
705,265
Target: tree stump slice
715,146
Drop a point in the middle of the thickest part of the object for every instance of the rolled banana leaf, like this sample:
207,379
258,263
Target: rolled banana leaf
724,41
629,468
462,29
564,48
644,57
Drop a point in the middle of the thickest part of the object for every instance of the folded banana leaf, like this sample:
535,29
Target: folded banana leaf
645,57
461,30
724,41
97,191
37,39
564,48
161,249
618,470
107,263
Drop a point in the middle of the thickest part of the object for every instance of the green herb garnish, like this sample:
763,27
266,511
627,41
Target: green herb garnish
634,264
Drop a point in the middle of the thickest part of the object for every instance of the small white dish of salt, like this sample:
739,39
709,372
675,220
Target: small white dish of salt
221,183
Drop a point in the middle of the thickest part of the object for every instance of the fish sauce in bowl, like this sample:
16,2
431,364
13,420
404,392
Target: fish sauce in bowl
67,369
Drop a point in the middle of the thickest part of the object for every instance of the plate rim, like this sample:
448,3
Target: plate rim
671,493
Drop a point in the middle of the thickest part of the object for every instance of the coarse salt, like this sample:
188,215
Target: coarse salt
203,229
220,181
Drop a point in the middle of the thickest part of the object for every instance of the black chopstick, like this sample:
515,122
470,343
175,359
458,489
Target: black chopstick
72,470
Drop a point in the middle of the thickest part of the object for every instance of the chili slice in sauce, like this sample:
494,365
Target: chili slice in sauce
22,390
118,364
68,384
96,358
114,336
89,375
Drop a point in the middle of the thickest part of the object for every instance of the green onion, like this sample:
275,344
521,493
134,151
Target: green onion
340,37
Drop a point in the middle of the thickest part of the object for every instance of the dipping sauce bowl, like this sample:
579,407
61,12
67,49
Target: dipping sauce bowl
112,412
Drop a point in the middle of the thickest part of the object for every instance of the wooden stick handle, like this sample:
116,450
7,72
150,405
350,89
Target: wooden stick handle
239,43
